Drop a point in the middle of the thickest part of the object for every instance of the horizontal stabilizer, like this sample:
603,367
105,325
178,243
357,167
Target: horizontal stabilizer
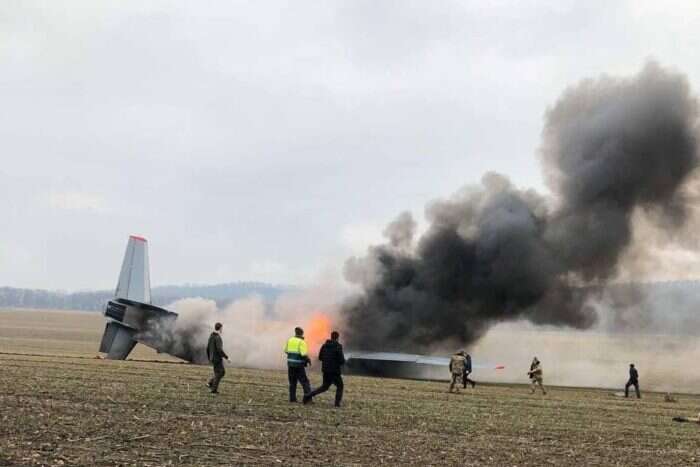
134,280
117,341
135,315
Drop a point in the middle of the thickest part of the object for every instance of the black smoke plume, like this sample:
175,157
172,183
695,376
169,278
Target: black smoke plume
610,148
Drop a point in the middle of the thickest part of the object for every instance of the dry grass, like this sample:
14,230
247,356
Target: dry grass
77,410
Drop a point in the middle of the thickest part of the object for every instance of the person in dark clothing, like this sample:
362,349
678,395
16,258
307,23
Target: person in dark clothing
297,360
633,381
332,360
467,372
216,355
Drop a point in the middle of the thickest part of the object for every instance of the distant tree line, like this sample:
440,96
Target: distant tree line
223,294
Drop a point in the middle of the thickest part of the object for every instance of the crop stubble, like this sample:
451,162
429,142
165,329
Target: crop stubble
73,409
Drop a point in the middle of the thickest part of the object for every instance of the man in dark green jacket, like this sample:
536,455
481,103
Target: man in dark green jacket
633,381
216,354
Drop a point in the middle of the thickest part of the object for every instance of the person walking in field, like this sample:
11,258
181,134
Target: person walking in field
536,376
467,372
633,381
297,360
332,360
216,355
457,366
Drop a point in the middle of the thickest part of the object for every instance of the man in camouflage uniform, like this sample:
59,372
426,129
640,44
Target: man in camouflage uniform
535,375
457,365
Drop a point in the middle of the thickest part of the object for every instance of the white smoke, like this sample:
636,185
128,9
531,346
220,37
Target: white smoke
254,331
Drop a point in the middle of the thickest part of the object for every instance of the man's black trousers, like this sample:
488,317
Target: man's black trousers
328,379
297,374
636,388
219,373
465,380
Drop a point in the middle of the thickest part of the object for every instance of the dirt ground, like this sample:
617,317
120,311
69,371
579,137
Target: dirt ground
61,406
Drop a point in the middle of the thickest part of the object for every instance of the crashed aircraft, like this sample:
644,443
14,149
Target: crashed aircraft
131,318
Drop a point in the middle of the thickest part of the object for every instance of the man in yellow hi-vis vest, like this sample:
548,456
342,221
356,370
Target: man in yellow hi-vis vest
297,359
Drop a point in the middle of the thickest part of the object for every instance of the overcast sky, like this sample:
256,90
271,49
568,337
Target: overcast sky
269,140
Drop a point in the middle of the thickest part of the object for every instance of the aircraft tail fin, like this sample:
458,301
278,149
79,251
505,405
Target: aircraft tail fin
134,280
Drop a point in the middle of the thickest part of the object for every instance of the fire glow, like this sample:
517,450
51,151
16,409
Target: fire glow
318,330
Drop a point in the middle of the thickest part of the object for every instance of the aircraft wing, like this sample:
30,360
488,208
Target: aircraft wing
403,365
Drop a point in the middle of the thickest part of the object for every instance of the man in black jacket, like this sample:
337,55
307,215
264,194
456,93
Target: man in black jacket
633,381
216,355
332,360
467,372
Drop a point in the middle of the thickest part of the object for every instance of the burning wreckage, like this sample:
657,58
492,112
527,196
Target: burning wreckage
402,365
132,318
616,153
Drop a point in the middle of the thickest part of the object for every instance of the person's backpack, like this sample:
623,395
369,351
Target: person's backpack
457,365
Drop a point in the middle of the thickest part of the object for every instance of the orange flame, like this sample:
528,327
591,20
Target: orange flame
318,330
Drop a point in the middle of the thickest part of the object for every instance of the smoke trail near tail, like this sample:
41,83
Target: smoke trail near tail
254,331
611,148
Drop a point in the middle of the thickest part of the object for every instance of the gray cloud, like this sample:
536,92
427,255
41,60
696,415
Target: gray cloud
611,147
249,132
